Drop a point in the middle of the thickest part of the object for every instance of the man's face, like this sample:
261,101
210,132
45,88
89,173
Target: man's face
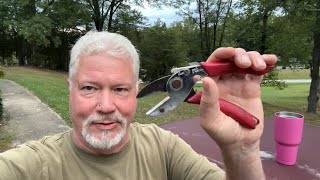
102,102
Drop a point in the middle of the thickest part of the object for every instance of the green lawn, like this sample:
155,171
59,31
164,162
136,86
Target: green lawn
293,98
51,88
294,74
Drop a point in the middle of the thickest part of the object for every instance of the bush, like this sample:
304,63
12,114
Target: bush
272,79
2,73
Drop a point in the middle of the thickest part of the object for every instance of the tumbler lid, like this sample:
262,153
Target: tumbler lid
285,114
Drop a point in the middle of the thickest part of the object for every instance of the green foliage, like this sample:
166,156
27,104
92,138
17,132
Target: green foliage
2,73
128,22
271,79
291,39
36,30
69,15
189,34
161,49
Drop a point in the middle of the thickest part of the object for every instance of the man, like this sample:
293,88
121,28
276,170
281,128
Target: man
104,142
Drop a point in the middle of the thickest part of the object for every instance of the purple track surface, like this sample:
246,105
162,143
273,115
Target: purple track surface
308,159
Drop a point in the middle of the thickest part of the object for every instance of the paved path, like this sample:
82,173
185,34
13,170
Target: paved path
28,118
308,160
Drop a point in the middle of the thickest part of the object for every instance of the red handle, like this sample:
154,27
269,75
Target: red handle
224,67
237,113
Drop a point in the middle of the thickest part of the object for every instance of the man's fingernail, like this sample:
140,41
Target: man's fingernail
205,86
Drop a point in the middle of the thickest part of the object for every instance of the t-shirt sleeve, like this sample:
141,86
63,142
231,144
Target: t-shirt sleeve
184,163
24,162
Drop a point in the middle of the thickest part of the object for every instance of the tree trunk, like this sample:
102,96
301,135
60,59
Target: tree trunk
20,50
111,12
264,31
201,28
98,17
313,98
225,22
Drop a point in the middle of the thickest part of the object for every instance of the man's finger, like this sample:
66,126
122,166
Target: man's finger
257,61
222,54
241,58
270,59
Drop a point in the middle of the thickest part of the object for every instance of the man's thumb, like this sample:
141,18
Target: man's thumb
209,105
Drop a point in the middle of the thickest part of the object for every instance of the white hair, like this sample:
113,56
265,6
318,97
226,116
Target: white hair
112,44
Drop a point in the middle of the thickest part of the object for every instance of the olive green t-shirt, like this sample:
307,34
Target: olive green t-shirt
151,153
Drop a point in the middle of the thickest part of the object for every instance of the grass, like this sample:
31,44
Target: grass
51,88
293,98
294,74
6,137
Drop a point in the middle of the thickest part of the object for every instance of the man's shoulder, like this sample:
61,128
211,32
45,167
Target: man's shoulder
51,140
48,144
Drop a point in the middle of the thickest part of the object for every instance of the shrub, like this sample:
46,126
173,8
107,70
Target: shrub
272,79
2,73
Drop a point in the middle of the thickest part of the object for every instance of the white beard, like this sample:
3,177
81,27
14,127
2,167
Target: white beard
106,141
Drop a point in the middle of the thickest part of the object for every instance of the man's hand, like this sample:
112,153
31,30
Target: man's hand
235,141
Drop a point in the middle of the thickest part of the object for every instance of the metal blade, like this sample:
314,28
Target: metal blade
179,87
165,106
158,85
175,98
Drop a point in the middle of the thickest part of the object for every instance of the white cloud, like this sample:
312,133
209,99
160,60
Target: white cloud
165,14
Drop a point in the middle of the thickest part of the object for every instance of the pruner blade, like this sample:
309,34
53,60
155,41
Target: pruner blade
179,87
158,85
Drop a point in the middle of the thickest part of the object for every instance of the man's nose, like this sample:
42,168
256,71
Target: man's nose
106,102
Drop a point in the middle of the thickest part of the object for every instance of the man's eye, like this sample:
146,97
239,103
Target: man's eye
87,88
122,91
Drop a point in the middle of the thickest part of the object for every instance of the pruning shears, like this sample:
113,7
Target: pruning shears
179,87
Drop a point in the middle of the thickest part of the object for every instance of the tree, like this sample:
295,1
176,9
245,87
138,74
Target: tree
211,18
258,13
129,23
161,49
69,20
6,43
310,13
103,10
315,64
189,34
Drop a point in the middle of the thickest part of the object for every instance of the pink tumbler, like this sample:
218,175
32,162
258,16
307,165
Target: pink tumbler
288,127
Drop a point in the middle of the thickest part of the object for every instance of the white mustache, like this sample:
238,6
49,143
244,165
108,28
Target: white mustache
103,117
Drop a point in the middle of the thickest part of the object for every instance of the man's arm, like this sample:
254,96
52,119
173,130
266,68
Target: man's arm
239,145
21,163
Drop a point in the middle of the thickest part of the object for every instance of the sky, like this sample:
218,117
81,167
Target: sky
165,14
